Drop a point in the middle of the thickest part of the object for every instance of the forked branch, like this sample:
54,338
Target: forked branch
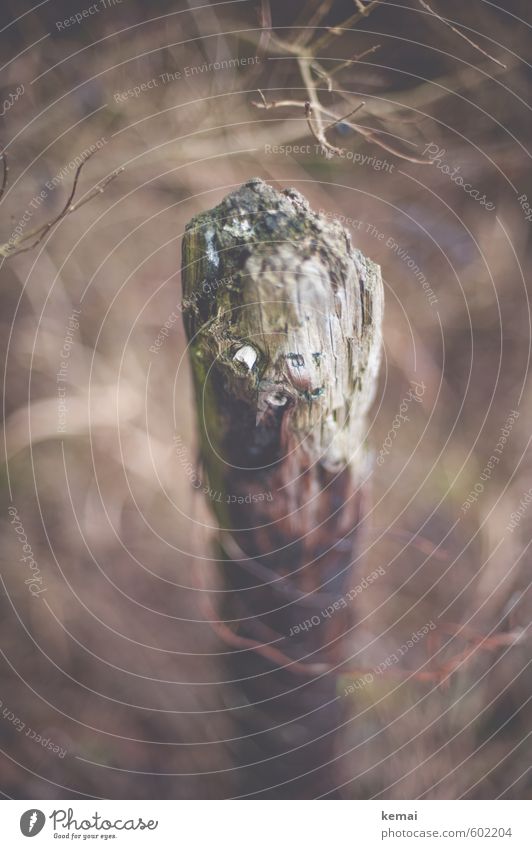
23,242
310,63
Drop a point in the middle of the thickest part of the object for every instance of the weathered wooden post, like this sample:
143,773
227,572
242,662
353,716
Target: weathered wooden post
283,316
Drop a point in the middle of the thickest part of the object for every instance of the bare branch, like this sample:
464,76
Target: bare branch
264,104
322,42
322,74
97,190
19,246
426,6
310,67
346,117
265,20
353,60
319,133
5,169
308,81
313,22
370,135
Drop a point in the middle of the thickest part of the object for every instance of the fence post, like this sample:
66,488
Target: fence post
283,318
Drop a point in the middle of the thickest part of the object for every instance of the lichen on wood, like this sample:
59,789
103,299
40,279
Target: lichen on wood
262,273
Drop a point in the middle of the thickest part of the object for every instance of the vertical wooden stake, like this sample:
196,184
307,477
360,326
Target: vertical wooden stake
283,317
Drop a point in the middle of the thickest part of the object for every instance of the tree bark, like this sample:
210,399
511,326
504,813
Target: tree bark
283,317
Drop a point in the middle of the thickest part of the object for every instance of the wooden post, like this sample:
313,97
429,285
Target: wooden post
283,316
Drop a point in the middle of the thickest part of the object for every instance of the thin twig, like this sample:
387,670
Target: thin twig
264,104
5,170
345,117
41,231
319,133
306,75
334,31
313,22
436,674
19,245
275,655
367,133
322,73
265,20
309,65
426,6
353,60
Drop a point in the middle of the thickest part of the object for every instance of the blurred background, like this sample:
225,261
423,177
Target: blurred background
112,684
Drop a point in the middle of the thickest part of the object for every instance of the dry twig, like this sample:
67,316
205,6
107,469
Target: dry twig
307,54
447,23
5,170
324,40
370,135
18,244
265,18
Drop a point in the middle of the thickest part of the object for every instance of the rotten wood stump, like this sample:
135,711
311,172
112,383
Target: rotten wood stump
283,317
